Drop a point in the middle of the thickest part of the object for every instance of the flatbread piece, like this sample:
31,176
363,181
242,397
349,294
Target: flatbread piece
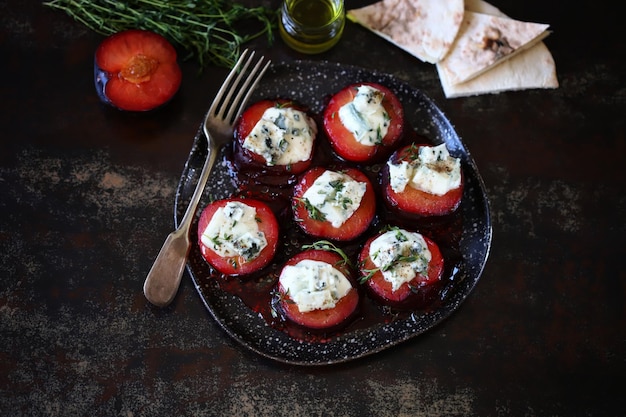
424,28
532,68
484,41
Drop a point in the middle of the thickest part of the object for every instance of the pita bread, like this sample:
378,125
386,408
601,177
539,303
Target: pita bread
484,41
423,28
481,6
532,68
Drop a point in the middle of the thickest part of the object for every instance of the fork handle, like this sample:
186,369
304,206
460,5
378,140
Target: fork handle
164,278
185,223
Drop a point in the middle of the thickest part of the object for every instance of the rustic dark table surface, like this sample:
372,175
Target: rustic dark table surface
87,196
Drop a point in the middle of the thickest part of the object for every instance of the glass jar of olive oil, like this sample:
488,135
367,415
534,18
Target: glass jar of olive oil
311,26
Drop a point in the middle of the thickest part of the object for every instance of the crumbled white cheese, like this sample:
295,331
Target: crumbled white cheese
314,285
400,255
336,196
234,231
434,171
282,136
365,117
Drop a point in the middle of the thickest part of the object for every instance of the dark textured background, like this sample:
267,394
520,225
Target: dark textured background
86,199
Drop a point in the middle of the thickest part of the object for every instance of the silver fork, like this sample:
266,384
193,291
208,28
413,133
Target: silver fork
164,277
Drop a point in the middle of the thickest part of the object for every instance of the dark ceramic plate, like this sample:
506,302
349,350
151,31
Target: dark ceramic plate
241,313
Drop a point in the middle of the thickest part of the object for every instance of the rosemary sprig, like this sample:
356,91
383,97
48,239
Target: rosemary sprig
209,30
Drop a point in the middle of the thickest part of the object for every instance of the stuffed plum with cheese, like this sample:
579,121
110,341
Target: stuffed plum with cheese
316,290
423,180
276,136
398,267
363,122
334,204
238,236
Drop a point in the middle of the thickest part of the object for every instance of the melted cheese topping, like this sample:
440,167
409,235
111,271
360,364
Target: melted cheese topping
335,197
400,255
365,117
434,171
234,231
314,285
282,136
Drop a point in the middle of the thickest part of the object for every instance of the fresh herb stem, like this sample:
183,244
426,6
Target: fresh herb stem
208,30
329,246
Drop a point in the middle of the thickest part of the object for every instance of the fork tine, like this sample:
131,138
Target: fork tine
227,83
247,88
226,101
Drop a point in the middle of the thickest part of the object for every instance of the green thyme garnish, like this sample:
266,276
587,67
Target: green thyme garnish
369,273
337,185
216,241
412,152
345,202
329,246
211,31
314,212
280,105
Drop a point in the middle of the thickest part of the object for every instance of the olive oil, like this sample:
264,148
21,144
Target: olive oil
312,26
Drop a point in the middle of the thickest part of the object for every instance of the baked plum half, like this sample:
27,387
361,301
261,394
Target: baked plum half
399,266
276,136
363,122
423,180
316,290
238,236
334,204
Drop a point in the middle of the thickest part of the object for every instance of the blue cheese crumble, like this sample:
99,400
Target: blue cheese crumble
314,285
282,136
365,117
400,255
335,196
234,231
434,171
